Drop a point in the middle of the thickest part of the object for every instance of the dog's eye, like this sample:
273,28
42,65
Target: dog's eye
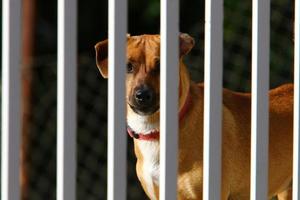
156,69
129,68
157,66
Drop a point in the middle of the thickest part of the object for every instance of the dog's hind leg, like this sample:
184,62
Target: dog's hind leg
286,194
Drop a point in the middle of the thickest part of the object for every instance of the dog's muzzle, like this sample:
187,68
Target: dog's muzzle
144,101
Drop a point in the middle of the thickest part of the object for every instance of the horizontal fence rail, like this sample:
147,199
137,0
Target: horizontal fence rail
168,98
116,175
213,68
11,114
260,99
296,157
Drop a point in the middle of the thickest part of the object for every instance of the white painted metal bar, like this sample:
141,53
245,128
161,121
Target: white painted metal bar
296,159
213,63
11,118
169,55
260,99
66,99
117,137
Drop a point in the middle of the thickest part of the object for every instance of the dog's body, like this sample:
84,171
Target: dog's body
143,51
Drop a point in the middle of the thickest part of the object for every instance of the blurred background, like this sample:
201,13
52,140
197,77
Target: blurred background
39,81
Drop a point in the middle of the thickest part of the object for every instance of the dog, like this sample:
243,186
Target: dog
142,96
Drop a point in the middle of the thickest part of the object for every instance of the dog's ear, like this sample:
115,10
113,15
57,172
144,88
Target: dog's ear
186,43
101,57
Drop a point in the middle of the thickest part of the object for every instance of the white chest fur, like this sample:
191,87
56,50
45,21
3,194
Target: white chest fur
150,165
141,124
148,149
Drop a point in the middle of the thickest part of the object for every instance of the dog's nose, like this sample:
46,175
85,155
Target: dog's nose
144,96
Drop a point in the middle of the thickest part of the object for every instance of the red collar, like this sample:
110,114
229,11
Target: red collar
154,135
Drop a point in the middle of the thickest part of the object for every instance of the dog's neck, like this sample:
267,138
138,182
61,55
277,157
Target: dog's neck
147,125
184,86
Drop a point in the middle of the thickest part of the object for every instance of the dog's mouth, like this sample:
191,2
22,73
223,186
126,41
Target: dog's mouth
143,110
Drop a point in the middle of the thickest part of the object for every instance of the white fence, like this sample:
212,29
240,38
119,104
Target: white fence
66,109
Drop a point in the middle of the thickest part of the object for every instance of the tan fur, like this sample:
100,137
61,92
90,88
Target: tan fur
144,51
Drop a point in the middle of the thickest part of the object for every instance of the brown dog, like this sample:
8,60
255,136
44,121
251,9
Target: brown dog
142,81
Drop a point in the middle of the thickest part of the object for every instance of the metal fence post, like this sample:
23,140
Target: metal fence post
66,99
117,137
169,98
296,159
260,99
213,68
11,115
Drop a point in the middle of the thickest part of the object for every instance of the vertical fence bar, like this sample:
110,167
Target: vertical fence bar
260,99
169,55
66,99
117,137
296,159
11,119
213,63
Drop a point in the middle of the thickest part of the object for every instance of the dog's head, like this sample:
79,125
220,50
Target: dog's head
143,69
